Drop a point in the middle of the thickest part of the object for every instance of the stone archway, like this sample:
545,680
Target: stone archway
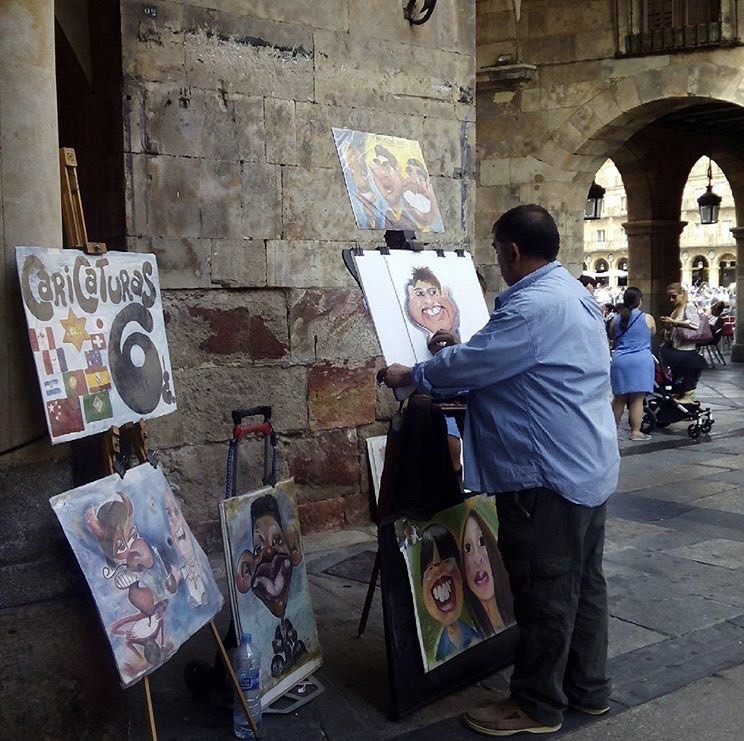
549,151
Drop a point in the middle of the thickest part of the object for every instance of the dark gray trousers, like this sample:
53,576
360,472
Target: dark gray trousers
552,550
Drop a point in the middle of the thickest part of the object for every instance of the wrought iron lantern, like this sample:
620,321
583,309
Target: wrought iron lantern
709,203
594,200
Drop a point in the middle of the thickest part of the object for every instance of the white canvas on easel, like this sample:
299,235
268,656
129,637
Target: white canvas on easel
389,284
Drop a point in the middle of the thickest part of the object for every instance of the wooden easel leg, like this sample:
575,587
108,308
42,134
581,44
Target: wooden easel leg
233,677
150,713
370,594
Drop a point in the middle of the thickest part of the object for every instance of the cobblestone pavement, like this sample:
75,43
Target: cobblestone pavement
675,568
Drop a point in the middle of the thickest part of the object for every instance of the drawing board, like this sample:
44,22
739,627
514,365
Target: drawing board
411,295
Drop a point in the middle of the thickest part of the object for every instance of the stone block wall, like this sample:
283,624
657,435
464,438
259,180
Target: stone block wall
232,179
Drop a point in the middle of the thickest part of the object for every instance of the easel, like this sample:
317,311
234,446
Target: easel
394,240
119,442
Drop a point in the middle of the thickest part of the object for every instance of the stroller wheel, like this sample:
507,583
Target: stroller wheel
706,426
693,431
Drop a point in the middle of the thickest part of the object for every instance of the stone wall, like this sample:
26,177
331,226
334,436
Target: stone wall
232,179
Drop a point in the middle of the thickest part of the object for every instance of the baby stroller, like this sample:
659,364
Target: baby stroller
661,408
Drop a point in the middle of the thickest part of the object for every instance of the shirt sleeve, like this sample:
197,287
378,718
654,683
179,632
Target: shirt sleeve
502,349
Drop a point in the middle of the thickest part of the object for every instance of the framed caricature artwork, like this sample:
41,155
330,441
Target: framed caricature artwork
150,579
268,584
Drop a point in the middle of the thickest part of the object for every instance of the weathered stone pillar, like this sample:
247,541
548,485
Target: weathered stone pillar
653,260
59,680
30,194
737,349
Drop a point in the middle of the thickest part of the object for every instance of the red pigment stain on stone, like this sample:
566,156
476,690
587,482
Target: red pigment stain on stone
236,331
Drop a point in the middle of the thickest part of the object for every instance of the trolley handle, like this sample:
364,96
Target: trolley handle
238,414
241,431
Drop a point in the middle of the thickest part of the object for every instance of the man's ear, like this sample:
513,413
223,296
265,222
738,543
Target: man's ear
244,571
294,542
512,252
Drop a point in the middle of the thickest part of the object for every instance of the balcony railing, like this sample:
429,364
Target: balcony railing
672,39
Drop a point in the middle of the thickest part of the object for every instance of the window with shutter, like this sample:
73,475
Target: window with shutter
664,25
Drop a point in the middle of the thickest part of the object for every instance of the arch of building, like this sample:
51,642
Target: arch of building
551,156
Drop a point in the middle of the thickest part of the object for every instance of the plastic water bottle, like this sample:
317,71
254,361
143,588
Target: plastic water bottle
247,663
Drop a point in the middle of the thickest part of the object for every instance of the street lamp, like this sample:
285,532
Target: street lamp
709,203
594,200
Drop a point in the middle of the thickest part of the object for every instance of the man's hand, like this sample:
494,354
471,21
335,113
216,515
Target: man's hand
441,338
396,375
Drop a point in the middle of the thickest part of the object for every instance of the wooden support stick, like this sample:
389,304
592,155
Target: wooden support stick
233,677
150,713
73,220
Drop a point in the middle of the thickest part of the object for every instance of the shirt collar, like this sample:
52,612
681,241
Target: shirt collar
528,280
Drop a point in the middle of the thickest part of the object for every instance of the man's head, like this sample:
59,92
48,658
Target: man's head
588,282
429,306
525,238
267,570
387,177
180,535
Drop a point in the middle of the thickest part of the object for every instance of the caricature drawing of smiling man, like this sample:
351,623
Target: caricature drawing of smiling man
429,306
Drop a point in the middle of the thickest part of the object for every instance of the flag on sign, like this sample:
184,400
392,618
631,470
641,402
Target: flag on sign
97,406
93,358
54,361
98,341
97,379
41,339
75,383
52,387
65,416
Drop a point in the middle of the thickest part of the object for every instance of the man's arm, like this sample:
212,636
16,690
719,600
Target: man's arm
502,349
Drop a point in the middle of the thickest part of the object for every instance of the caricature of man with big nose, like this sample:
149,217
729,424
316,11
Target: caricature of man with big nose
267,571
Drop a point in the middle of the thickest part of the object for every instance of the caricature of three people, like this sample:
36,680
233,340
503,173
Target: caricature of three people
387,193
470,575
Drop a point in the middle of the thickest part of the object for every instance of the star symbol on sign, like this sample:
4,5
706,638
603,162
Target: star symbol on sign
75,332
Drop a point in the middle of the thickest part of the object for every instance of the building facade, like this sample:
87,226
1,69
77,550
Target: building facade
707,252
562,87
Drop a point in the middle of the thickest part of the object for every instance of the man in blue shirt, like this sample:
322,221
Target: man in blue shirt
540,435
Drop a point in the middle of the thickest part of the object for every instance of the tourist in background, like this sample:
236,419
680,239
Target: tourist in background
680,355
632,369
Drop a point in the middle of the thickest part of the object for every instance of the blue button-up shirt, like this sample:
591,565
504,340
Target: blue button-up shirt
538,377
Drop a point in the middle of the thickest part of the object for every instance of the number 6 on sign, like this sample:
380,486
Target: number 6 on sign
135,365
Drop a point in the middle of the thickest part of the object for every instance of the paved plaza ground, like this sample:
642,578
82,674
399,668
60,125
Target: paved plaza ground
674,563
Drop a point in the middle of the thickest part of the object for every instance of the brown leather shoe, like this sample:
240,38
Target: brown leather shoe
505,718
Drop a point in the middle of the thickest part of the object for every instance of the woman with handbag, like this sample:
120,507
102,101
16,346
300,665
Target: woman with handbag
632,369
679,351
